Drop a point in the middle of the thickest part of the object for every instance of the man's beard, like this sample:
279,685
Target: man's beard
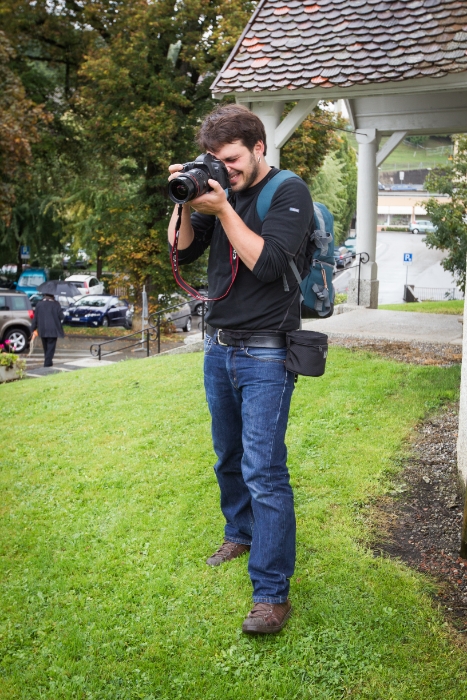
251,176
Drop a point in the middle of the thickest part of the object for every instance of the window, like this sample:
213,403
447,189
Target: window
400,219
93,282
18,303
31,280
3,305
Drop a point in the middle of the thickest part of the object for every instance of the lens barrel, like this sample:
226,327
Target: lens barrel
188,186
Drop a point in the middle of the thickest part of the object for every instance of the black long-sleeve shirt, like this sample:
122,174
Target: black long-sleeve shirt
257,299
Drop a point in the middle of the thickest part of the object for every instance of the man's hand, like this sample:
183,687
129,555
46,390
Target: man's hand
35,334
213,203
186,230
174,170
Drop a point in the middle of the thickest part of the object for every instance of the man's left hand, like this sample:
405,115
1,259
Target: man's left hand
213,203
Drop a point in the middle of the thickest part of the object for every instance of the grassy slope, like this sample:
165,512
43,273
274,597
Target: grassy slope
455,308
406,156
110,507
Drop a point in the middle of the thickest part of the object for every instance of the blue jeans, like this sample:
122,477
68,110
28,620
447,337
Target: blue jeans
248,392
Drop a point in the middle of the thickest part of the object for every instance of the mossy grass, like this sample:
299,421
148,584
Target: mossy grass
455,308
110,508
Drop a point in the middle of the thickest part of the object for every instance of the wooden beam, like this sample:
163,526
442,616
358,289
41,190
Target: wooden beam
392,143
294,118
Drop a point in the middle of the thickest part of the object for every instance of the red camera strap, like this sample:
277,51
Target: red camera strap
175,266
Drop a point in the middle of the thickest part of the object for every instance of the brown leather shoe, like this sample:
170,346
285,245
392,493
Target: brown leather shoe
226,552
267,618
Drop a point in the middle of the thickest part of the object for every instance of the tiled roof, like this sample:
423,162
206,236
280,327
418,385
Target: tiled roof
303,44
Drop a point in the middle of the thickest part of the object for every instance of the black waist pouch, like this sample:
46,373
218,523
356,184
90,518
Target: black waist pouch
306,353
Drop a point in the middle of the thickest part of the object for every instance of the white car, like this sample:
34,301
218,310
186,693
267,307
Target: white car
87,284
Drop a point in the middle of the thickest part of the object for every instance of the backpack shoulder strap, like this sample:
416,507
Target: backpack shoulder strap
267,193
319,219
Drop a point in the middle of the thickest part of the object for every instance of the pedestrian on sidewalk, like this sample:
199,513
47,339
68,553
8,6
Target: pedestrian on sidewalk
47,323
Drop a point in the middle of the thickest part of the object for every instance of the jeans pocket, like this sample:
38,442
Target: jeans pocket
207,344
267,354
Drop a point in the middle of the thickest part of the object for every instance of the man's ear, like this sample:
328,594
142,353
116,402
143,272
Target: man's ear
258,149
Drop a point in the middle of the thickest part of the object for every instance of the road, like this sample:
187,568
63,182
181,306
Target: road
426,270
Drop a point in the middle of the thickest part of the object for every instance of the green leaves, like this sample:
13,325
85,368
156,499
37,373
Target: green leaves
450,218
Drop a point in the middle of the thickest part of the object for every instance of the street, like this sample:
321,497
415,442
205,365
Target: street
425,271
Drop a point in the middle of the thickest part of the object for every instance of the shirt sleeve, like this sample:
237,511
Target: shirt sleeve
284,229
203,227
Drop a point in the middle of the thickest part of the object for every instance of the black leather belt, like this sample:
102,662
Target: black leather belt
256,339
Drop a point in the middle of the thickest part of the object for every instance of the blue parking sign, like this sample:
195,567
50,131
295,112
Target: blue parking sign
408,258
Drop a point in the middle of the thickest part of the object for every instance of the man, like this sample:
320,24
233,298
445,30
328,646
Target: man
247,386
47,323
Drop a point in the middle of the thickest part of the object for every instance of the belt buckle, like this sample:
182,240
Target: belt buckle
219,331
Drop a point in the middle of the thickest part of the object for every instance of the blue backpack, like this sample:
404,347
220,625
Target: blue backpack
316,287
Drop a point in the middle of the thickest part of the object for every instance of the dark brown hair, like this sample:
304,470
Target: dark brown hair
229,123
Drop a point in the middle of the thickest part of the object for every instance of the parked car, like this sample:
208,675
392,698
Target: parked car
351,244
196,305
99,310
180,317
87,284
405,188
62,300
31,279
81,259
9,269
342,256
6,283
422,227
16,315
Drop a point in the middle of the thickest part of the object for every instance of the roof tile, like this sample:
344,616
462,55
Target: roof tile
306,43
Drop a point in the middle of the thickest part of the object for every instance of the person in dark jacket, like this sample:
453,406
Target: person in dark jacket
47,323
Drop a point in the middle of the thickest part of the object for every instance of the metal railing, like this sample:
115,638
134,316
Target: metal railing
144,338
414,293
152,333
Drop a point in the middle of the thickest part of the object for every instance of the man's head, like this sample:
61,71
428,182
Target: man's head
237,137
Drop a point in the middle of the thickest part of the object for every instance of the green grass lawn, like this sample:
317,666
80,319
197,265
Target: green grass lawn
455,308
110,507
435,153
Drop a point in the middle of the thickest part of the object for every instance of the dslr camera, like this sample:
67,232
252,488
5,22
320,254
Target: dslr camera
192,181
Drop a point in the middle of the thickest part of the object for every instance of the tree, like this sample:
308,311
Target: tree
18,130
305,151
144,89
450,218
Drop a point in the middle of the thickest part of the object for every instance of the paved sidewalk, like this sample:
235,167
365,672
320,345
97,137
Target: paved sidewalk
379,324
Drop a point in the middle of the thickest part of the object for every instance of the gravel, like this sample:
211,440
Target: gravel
420,521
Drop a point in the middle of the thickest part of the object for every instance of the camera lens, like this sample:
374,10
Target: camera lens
188,186
181,190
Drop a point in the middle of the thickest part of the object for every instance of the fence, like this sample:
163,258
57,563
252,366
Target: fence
412,293
122,292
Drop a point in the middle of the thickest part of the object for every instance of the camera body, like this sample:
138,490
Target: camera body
192,181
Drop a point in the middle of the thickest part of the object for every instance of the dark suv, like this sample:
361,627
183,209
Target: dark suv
16,315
